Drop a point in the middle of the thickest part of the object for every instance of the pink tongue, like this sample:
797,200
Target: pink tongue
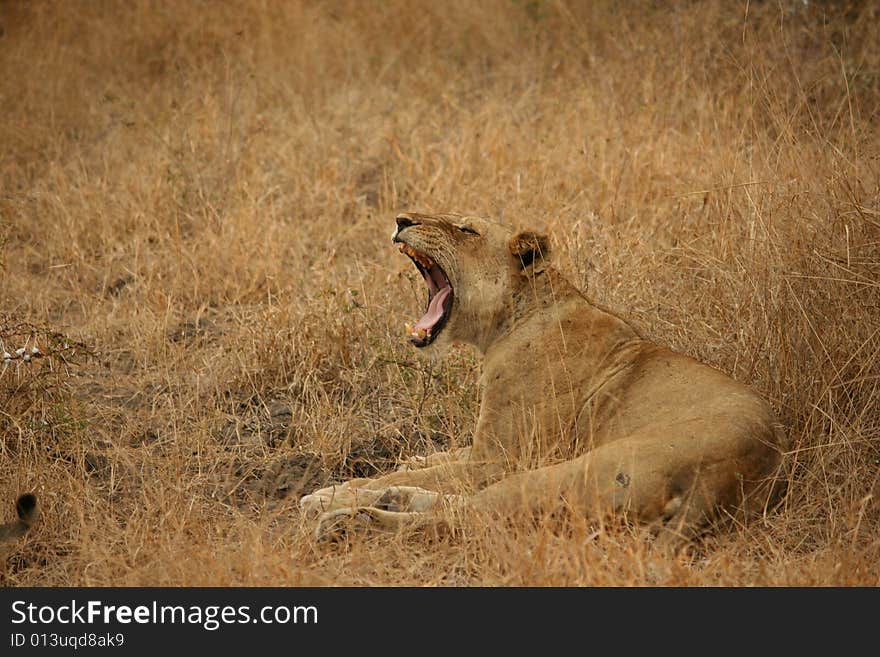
435,310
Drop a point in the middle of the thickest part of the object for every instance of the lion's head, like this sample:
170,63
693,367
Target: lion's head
473,267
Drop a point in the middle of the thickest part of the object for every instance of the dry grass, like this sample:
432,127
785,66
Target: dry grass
202,193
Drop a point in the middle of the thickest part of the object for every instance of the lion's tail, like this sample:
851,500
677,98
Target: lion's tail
26,508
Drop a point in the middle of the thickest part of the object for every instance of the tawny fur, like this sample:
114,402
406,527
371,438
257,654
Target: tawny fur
577,408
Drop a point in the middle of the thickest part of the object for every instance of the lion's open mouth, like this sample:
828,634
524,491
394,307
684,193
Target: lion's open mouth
440,295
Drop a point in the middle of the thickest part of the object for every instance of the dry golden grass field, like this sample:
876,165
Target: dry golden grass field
196,200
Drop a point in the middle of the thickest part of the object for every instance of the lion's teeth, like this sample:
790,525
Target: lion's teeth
413,332
423,260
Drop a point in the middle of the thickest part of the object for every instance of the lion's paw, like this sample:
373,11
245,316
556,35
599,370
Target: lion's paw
411,502
336,497
339,523
406,498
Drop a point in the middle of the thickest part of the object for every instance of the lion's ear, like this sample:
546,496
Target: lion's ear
529,247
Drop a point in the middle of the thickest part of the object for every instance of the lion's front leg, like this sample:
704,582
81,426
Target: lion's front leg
453,477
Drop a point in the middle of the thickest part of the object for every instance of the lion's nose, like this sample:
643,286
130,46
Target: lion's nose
404,222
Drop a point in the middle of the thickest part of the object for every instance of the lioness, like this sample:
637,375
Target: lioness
627,426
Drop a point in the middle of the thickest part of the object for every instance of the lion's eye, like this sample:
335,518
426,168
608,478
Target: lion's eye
468,229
